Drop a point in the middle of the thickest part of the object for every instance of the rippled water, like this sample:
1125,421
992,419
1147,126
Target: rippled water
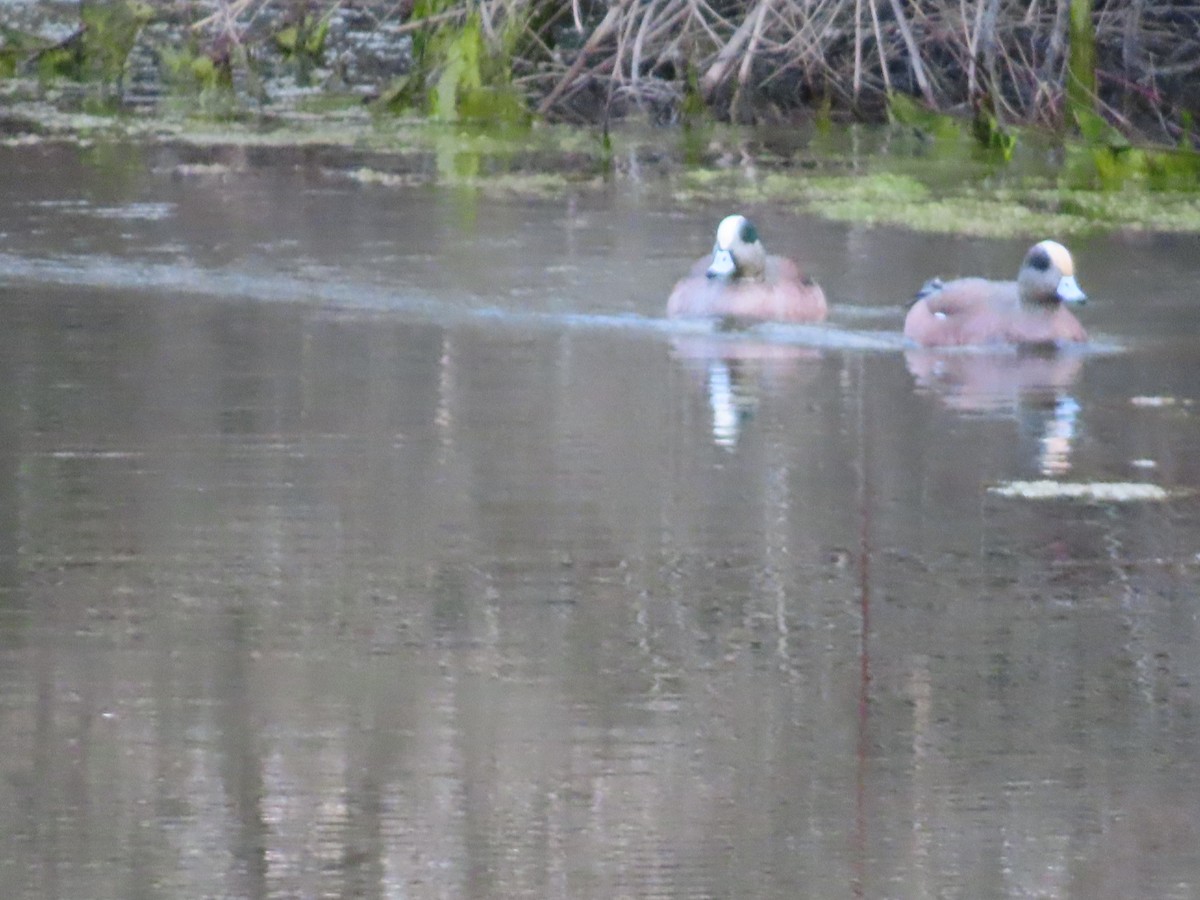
386,542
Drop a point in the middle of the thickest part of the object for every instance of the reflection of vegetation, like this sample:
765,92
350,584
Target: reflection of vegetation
1027,205
879,176
1101,156
121,165
488,161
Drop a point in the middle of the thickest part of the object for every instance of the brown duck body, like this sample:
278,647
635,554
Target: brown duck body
977,311
740,281
1030,310
783,294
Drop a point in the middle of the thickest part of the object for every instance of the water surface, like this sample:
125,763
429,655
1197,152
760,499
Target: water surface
380,542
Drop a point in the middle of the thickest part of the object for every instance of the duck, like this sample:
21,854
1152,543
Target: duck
1029,311
740,282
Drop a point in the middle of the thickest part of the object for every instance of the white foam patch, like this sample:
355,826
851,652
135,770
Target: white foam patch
1103,491
1158,402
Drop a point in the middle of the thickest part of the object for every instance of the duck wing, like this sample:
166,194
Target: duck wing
967,297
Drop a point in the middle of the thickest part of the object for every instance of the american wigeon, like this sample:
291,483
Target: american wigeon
1029,310
740,281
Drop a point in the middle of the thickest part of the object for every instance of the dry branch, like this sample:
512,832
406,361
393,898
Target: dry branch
719,70
607,26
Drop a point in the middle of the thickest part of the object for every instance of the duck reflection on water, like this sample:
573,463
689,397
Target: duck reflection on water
735,372
1031,385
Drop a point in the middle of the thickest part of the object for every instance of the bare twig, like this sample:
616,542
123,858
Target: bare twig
437,19
226,14
607,26
721,66
880,47
914,53
755,37
635,63
858,42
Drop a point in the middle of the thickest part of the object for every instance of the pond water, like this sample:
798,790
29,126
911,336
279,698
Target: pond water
386,542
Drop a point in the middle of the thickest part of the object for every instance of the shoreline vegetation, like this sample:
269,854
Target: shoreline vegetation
1105,91
1132,63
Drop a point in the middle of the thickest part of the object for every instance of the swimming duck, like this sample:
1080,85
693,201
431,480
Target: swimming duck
1029,310
740,281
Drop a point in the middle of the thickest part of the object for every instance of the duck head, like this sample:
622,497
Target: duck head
1047,276
737,253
